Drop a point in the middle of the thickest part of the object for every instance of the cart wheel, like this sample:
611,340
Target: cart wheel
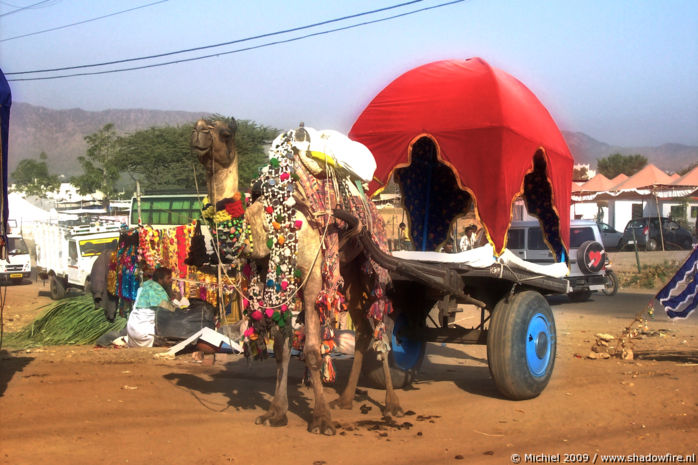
405,357
57,288
521,345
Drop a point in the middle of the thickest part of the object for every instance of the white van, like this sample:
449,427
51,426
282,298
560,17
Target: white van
18,264
587,256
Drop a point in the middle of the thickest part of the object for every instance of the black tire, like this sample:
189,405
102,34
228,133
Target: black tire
405,357
57,288
591,257
611,285
621,245
521,345
580,296
17,281
651,245
687,244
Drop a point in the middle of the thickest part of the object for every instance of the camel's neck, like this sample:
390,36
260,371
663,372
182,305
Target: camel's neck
223,183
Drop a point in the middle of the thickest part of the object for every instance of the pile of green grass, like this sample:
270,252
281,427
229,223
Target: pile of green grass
71,321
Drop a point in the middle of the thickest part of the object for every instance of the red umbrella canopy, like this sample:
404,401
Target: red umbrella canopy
487,127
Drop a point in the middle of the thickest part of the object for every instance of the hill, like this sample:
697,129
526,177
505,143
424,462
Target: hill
60,133
669,157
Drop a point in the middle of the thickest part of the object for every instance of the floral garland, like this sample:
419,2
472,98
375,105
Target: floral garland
270,302
231,231
149,250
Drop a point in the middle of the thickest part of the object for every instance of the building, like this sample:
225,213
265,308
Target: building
649,192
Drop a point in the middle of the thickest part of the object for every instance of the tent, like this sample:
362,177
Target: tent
597,183
5,104
688,179
24,212
488,129
648,176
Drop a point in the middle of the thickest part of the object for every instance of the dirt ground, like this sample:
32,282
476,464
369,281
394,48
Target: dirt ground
83,405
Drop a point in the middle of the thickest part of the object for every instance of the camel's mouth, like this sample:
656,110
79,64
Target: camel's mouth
201,152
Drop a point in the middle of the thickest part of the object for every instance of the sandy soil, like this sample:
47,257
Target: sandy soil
82,405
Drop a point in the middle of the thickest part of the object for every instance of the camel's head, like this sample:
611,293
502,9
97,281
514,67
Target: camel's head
213,142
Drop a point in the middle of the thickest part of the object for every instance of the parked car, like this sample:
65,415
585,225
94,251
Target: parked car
587,256
609,236
646,232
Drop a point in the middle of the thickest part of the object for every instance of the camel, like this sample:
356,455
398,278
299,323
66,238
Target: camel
213,142
222,178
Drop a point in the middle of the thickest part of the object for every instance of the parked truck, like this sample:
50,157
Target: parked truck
65,255
17,266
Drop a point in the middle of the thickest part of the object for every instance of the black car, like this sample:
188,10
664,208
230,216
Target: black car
646,232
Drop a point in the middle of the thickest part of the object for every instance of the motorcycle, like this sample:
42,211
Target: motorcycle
611,284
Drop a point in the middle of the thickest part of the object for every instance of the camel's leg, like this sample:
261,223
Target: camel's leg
392,403
276,415
363,340
321,422
356,292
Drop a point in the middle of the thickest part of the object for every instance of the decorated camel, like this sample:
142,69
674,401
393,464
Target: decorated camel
307,253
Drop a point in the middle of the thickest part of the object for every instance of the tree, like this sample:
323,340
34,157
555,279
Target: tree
580,174
615,164
160,157
32,177
251,140
101,164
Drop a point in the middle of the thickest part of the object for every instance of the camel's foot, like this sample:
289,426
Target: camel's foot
393,410
322,425
272,419
342,403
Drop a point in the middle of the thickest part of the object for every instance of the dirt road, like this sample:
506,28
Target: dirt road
81,405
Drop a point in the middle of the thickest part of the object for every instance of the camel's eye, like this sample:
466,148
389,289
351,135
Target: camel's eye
225,133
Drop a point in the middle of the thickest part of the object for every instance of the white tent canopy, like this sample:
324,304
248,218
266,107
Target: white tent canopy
23,211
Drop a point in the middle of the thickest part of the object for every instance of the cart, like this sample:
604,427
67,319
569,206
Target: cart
455,134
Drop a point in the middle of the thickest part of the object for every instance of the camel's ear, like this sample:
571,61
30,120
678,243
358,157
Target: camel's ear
233,126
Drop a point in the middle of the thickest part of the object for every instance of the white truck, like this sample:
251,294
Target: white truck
18,265
65,255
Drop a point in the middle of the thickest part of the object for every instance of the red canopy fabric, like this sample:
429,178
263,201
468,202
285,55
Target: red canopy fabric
487,127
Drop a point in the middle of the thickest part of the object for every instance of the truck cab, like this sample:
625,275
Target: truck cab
65,255
17,266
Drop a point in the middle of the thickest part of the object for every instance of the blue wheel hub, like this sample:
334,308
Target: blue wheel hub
406,351
538,345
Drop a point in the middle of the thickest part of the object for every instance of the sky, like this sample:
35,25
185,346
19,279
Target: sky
623,72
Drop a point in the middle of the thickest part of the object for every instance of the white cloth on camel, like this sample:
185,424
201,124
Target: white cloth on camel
352,156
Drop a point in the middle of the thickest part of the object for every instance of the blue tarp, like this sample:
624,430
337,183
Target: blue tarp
5,104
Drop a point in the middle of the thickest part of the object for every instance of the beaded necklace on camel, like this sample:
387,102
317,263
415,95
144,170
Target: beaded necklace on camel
270,303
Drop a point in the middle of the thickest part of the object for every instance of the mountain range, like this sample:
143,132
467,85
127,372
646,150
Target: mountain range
60,134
